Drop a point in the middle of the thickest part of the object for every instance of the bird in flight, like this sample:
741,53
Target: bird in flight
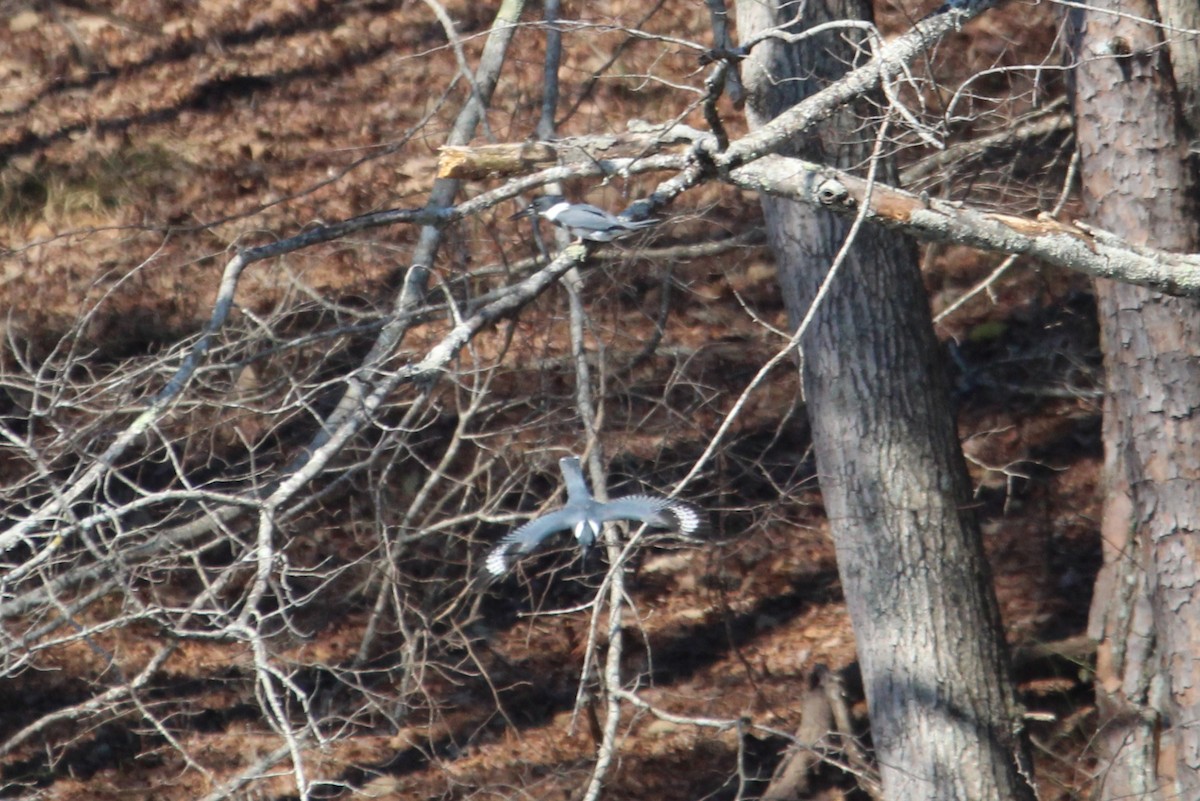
584,516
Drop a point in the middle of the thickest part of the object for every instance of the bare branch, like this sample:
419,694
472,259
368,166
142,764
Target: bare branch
1077,246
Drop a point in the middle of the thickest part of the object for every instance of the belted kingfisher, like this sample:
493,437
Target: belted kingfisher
585,516
965,6
582,219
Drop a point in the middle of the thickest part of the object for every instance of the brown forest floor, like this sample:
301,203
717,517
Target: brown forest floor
251,120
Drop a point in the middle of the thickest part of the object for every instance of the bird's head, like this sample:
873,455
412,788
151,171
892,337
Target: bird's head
540,205
586,531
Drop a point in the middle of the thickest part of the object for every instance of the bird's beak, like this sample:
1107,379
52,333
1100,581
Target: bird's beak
528,211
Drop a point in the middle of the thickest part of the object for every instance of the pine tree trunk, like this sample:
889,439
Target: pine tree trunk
930,642
1137,182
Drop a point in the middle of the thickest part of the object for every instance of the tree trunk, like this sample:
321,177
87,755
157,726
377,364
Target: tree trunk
930,642
1138,183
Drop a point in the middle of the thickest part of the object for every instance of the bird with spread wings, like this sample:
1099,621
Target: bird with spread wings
584,516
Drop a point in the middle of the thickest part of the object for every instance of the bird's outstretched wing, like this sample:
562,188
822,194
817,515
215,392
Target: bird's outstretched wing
525,539
577,490
662,512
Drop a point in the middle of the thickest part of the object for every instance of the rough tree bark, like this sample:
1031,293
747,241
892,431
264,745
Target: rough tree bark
1137,181
930,643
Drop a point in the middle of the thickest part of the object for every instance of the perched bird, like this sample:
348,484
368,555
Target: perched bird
584,516
965,6
584,221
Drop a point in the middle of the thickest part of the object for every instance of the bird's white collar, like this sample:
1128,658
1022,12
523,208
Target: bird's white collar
552,213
